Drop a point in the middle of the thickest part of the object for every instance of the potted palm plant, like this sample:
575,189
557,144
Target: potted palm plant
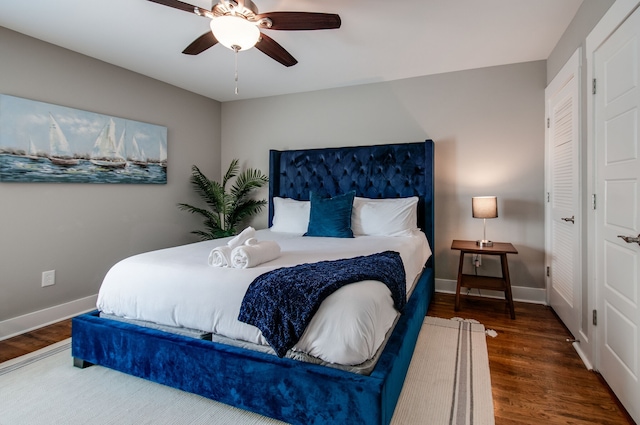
226,210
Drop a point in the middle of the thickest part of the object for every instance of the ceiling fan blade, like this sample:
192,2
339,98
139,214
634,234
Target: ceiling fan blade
271,48
292,21
201,44
176,4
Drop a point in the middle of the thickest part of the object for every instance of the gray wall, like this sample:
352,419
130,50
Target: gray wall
80,230
487,125
587,16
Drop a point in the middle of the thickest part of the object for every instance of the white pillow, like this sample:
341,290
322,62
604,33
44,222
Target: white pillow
290,216
384,217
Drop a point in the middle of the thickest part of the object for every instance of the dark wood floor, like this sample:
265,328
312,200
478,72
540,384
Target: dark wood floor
35,340
536,375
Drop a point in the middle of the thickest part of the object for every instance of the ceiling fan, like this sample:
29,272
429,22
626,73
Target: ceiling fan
237,24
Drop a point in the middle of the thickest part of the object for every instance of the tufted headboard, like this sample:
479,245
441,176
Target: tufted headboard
379,171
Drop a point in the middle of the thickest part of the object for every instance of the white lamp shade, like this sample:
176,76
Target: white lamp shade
484,206
233,31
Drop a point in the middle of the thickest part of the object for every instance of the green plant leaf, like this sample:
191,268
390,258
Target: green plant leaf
226,210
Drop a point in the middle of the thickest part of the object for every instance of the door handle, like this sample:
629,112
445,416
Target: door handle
569,219
630,239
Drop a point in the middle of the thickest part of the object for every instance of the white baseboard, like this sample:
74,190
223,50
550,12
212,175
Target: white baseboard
520,293
38,319
583,355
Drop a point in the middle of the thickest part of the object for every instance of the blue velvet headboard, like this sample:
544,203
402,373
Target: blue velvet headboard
379,171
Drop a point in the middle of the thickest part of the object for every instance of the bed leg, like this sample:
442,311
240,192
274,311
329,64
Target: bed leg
82,364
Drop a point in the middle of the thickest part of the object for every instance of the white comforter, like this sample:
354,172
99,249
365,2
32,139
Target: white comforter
177,287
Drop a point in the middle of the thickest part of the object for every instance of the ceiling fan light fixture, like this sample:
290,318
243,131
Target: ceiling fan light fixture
234,32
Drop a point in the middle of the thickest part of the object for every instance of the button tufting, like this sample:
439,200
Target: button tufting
374,172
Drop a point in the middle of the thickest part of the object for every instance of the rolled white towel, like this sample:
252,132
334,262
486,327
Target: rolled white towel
220,256
242,237
247,256
251,241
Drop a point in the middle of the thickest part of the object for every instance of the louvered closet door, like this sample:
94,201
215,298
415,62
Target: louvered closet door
563,236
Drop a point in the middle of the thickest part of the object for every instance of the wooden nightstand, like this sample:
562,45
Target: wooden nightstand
485,282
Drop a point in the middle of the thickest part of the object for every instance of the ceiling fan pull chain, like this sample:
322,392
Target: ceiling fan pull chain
236,49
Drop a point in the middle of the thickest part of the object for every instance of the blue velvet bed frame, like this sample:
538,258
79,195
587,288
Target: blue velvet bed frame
281,388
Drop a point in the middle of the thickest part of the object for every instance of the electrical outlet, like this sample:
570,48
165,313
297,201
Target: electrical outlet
476,260
48,278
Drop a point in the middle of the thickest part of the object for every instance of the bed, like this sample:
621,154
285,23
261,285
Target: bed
282,388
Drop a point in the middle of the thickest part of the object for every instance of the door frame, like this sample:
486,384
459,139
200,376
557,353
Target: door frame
619,11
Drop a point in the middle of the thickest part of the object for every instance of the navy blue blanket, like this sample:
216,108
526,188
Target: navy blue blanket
282,302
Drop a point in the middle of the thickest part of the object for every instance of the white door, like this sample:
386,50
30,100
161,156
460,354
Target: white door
564,281
617,162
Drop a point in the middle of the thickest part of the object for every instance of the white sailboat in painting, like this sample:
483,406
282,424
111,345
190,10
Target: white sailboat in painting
120,150
163,156
59,149
105,152
33,151
137,156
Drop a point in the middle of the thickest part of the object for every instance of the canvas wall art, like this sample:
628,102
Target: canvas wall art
42,142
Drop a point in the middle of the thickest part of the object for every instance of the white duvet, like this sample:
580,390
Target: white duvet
177,287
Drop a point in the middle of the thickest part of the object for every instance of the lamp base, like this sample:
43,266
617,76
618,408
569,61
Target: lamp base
484,242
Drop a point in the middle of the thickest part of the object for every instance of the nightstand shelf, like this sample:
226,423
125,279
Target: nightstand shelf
493,283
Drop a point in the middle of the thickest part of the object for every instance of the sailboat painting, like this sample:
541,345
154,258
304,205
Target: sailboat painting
42,142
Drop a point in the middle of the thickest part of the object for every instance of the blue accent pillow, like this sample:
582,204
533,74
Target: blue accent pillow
331,217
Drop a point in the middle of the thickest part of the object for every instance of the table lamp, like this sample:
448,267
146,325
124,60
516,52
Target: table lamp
484,207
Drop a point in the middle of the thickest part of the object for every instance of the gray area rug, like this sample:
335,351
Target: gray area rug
448,383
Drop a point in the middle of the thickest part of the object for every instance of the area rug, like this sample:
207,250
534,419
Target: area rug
448,383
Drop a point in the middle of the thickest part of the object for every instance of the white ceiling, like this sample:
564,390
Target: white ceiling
380,40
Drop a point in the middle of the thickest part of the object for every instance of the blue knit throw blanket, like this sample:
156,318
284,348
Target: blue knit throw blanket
282,302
